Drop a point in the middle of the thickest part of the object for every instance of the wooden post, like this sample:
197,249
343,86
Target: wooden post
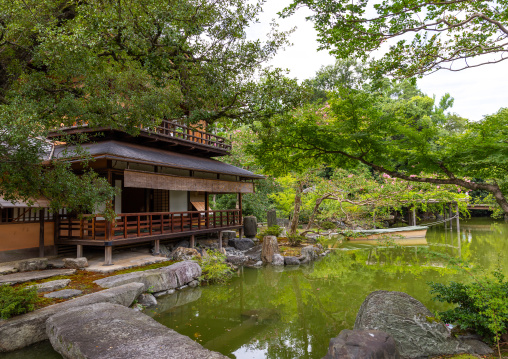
79,251
444,215
450,216
458,219
207,212
108,256
56,229
192,241
414,216
41,233
157,251
240,232
240,207
220,241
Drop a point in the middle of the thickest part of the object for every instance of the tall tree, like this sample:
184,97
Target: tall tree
404,138
123,64
421,36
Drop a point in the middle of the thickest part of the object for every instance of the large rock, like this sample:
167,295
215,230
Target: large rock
184,254
410,324
75,263
227,235
254,253
31,264
52,285
270,247
88,332
157,280
185,272
237,260
250,226
241,244
34,276
291,261
23,330
309,254
362,344
277,260
147,300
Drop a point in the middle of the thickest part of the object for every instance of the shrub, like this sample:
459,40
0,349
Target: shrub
482,305
271,231
14,301
295,239
214,267
327,225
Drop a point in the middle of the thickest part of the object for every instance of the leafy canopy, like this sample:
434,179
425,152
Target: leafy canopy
415,37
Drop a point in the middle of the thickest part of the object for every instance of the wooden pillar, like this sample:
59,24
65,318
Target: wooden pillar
414,217
41,233
444,215
156,250
240,207
450,216
458,218
220,241
192,241
79,251
108,256
240,232
207,212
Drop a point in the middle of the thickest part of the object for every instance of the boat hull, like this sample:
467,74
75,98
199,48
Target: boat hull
421,233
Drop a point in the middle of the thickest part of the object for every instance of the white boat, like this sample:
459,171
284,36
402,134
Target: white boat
396,233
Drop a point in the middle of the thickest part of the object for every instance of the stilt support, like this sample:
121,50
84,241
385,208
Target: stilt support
450,216
192,241
79,251
108,256
220,241
240,233
156,249
458,218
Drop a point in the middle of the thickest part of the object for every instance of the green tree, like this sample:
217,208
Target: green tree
123,64
422,36
404,138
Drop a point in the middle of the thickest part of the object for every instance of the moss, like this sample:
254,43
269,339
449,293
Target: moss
143,268
432,319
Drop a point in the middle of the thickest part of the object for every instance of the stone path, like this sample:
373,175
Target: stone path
33,276
64,294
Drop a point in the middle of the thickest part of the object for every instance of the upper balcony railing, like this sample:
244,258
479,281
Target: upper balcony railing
171,130
187,133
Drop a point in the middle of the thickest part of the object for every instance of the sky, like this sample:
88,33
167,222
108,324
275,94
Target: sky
477,92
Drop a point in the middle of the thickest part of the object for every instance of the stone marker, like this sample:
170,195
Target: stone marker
227,235
362,344
24,330
410,324
33,276
271,217
31,264
87,332
270,247
64,294
76,263
52,286
250,226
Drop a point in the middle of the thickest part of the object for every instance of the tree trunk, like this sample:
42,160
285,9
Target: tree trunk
314,211
296,212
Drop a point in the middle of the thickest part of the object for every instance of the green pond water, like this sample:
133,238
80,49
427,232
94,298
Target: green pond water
293,313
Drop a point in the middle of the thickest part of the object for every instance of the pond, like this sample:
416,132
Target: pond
293,313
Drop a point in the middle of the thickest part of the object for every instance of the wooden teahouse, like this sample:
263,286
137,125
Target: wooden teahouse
166,175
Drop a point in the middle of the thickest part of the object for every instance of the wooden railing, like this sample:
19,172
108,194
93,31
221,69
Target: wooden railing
175,130
139,225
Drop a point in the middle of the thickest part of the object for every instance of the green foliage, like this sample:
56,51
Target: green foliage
327,225
295,239
123,65
214,267
271,231
19,300
447,35
482,305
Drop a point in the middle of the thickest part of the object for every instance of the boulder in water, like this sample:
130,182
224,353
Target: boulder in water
362,344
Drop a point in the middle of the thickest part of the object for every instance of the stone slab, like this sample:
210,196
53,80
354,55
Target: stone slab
87,332
24,330
53,285
64,294
123,260
23,277
7,269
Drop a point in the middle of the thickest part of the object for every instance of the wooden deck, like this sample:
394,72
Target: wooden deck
142,227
